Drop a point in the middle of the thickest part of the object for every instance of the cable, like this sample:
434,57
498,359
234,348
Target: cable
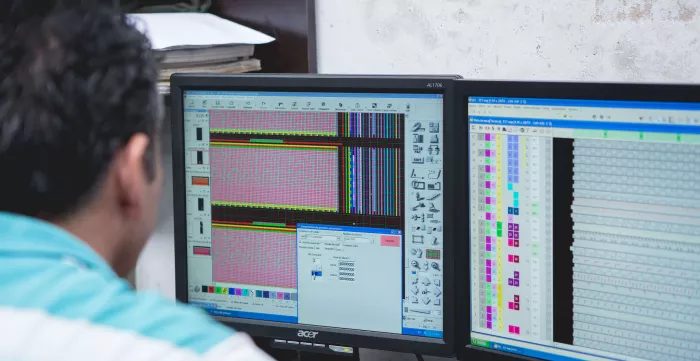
419,357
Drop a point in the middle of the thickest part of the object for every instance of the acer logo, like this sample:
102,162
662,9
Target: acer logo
307,334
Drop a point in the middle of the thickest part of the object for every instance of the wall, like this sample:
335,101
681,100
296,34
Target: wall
156,267
606,40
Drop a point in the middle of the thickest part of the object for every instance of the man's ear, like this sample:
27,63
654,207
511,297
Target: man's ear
131,177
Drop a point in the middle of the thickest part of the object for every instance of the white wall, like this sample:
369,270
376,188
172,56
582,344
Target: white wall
606,40
156,267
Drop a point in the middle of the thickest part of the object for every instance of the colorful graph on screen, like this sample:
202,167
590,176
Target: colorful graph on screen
276,176
259,255
371,125
371,181
273,122
501,240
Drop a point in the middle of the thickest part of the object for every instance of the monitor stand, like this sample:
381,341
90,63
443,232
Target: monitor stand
289,352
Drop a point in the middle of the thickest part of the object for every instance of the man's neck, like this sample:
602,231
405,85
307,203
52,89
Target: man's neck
90,227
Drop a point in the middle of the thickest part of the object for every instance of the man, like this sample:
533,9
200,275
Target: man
80,180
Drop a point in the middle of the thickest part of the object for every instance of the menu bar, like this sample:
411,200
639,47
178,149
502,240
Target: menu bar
592,114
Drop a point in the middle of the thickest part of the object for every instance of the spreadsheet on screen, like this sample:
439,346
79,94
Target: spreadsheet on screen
316,208
585,228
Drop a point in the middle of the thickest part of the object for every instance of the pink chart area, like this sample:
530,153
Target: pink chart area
275,178
255,257
273,122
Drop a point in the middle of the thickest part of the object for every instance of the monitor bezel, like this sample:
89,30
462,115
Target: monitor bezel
342,83
528,89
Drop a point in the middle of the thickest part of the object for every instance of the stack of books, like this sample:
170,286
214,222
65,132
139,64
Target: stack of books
200,43
225,59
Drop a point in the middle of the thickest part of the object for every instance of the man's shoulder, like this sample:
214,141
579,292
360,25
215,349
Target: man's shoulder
41,294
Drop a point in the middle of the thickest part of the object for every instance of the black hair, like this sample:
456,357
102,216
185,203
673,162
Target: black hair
76,83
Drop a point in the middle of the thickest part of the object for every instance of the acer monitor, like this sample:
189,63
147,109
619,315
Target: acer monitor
316,210
583,221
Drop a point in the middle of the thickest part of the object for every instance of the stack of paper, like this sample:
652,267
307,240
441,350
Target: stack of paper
200,43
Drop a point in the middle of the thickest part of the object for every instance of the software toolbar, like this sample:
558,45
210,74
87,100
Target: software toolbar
285,101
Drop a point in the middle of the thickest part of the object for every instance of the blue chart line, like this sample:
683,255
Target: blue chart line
372,183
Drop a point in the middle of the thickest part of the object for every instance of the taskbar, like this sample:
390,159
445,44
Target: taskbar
212,310
537,354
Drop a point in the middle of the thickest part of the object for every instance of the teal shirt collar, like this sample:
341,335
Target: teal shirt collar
22,236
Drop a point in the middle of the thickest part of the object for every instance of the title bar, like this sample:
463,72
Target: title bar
586,103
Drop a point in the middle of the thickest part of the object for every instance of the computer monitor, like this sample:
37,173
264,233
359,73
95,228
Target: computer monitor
315,209
584,221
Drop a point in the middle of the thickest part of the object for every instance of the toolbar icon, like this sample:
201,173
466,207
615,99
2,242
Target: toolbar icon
418,185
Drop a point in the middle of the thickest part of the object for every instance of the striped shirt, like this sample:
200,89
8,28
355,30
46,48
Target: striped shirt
59,300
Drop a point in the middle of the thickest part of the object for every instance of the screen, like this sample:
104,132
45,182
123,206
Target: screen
321,209
585,228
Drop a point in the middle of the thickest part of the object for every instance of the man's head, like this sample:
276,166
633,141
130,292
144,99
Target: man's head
79,118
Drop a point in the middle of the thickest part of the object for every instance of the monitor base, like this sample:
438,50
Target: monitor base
292,352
